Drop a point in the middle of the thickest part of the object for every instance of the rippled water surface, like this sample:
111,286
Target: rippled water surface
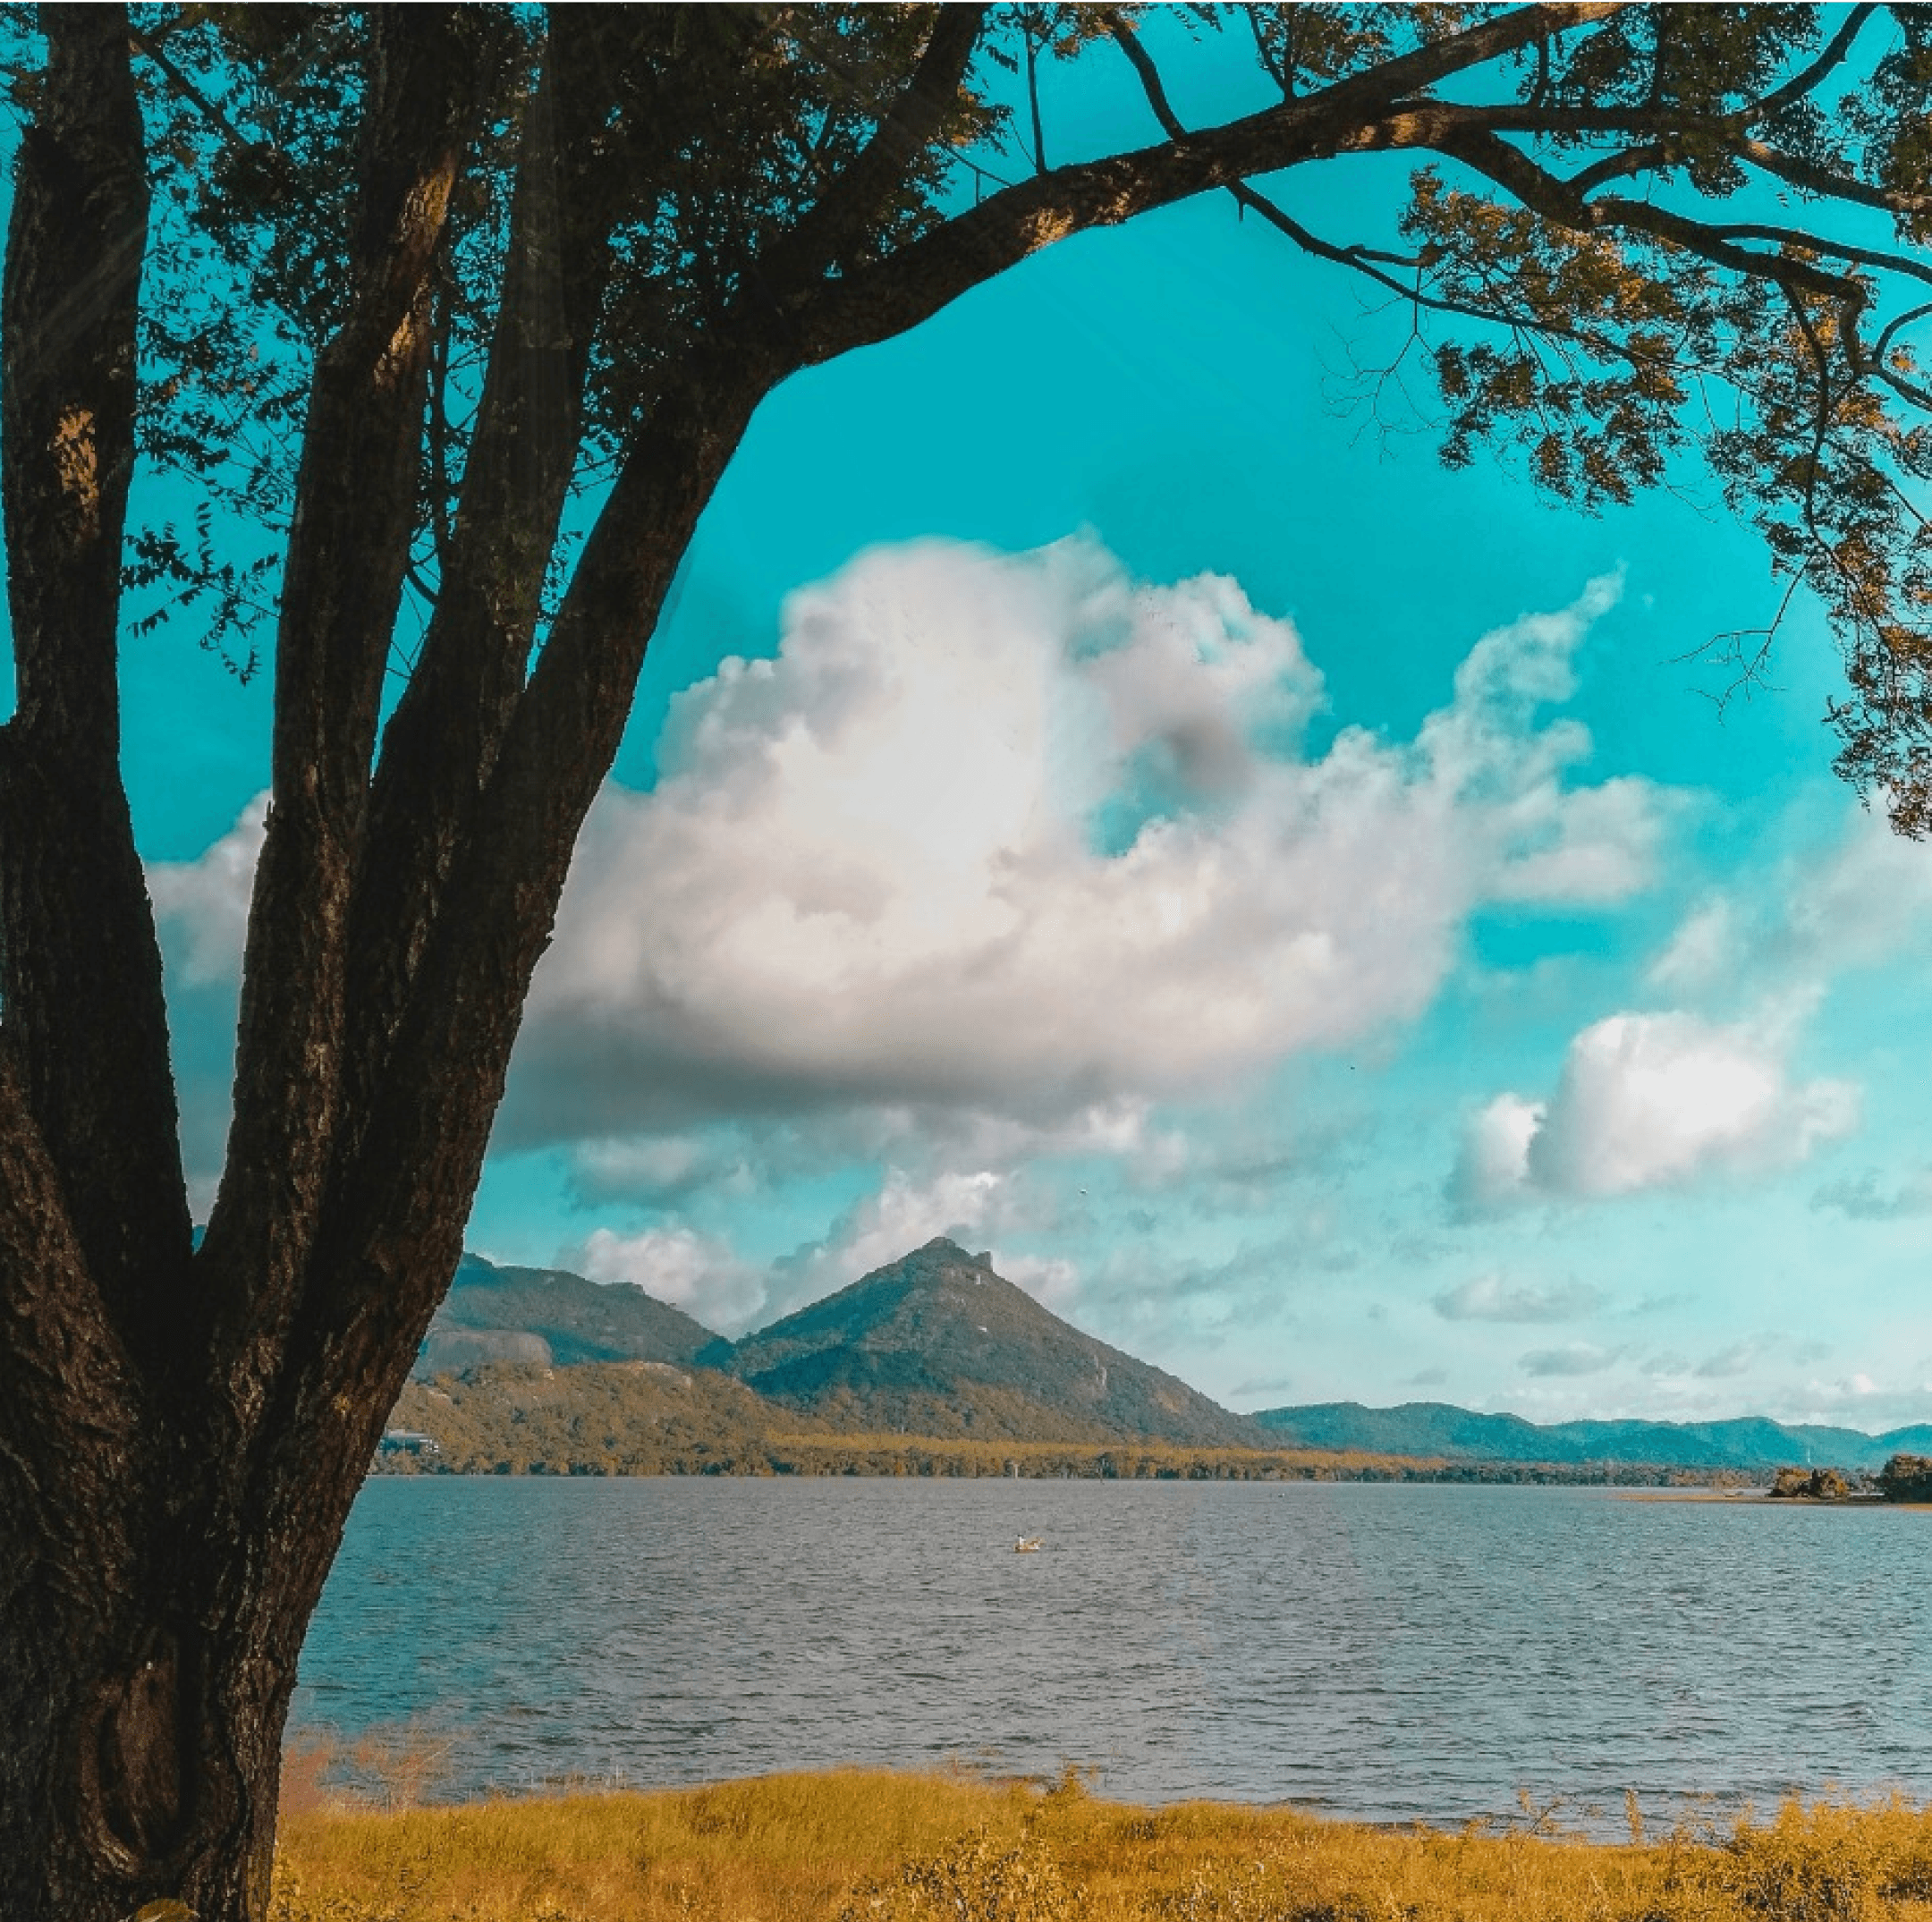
1383,1652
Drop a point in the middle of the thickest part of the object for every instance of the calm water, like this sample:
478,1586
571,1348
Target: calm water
1383,1652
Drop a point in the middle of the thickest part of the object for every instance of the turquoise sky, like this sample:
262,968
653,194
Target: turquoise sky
1101,796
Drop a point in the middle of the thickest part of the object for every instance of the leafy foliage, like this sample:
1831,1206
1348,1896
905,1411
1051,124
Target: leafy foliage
1637,244
718,126
1906,1478
1810,1484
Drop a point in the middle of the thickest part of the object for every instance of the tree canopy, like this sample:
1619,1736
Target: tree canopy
444,322
1638,240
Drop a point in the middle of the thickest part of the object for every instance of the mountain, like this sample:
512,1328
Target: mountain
937,1343
1461,1434
541,1317
611,1417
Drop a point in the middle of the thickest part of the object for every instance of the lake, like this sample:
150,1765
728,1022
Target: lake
1389,1652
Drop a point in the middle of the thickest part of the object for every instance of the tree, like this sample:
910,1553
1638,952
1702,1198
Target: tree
394,288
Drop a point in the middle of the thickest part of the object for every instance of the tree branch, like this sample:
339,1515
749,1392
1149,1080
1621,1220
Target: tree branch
442,742
1829,185
927,273
1885,260
1462,137
356,497
827,233
1369,262
79,967
152,47
1836,51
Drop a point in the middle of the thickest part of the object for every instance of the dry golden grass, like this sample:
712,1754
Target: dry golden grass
848,1846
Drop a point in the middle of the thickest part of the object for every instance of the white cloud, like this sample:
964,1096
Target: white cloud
657,1169
1860,902
1703,952
1053,1281
1489,1297
201,916
1854,901
1016,837
691,1272
906,1213
1647,1101
201,906
1493,1166
1575,1357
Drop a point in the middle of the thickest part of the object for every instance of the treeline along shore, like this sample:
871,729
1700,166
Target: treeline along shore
649,1418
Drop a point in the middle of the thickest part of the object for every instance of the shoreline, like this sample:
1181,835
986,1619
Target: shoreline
942,1458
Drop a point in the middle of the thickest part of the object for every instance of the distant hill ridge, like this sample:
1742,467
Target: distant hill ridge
546,1316
937,1343
1437,1428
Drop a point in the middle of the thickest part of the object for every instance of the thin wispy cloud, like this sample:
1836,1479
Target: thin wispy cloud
1864,1198
1490,1298
1575,1357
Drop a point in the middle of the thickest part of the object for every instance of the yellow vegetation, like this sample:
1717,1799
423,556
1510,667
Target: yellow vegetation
849,1846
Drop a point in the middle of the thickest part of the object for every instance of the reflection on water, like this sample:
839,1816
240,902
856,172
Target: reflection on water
1391,1653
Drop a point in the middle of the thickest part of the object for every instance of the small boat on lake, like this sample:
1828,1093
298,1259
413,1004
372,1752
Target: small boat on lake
1027,1545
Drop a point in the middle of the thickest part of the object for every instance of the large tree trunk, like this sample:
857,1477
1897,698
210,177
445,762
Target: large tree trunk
145,1705
151,1613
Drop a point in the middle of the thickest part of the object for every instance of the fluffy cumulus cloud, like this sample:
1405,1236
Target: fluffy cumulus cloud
201,906
698,1274
1020,837
1493,1165
1648,1101
996,855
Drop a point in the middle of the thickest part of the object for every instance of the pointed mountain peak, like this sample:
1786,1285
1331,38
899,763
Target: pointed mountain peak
937,1342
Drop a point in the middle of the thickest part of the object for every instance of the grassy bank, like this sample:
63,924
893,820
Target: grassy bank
854,1847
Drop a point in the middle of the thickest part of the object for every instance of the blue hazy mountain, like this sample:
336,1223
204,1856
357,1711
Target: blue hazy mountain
1437,1428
